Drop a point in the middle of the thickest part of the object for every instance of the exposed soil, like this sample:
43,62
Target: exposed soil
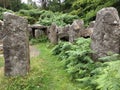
34,52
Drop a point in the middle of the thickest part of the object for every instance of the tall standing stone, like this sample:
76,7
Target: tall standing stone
53,35
106,33
16,45
75,30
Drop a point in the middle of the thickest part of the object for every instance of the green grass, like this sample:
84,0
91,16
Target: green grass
46,73
1,62
55,77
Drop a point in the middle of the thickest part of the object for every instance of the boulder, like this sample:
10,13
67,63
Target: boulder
16,45
106,33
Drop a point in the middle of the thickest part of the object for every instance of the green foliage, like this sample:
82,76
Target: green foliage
91,75
32,15
48,17
28,82
109,76
77,61
1,62
45,73
75,56
2,10
87,9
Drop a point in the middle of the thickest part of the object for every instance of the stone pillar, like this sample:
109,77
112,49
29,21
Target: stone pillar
75,30
106,33
1,30
89,30
71,34
16,45
53,34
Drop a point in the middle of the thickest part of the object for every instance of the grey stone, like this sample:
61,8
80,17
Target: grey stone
16,45
53,34
91,24
38,33
75,30
33,30
89,30
106,33
1,29
30,32
63,33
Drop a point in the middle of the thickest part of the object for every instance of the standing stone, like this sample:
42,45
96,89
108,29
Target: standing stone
39,33
72,35
53,37
16,45
78,27
89,30
1,30
30,32
106,33
75,30
63,33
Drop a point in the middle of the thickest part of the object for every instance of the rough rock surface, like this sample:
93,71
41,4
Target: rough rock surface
106,33
38,33
89,30
36,30
52,34
63,33
76,30
16,45
1,30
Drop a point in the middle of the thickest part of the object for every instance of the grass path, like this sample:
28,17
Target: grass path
55,77
46,73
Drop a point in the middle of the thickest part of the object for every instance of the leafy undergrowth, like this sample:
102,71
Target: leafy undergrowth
46,73
101,75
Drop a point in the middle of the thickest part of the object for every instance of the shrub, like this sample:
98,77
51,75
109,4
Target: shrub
109,75
48,17
82,69
2,10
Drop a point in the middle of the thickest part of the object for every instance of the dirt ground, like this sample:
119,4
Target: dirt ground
33,51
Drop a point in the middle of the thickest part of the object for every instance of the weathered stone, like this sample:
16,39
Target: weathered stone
78,27
106,33
63,33
53,36
1,30
38,33
91,24
89,30
16,45
34,27
71,34
30,32
1,24
75,30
